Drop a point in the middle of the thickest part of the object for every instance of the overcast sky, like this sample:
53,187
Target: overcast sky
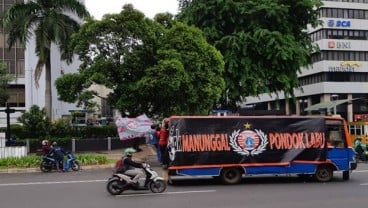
98,8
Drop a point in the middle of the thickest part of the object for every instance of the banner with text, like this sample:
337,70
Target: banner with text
212,140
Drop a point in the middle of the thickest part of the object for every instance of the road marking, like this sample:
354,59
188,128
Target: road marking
50,182
360,171
364,184
166,193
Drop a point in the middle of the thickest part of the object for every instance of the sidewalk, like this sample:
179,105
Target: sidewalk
147,154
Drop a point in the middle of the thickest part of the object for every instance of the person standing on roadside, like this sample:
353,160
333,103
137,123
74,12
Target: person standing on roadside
153,140
359,149
163,139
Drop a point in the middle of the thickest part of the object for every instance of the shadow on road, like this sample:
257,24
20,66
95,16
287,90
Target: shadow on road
210,181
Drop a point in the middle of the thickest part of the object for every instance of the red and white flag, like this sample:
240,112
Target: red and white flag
130,128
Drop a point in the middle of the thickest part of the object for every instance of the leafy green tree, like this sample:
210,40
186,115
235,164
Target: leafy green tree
49,22
156,67
264,42
35,122
5,78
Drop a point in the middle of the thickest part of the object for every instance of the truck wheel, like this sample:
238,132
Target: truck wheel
324,173
345,175
231,175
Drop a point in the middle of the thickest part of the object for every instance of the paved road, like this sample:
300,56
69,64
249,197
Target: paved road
86,189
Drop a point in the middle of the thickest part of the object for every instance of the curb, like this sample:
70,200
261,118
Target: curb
147,154
37,170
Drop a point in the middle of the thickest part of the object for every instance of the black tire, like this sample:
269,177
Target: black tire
45,167
75,166
324,173
114,186
231,176
345,175
158,186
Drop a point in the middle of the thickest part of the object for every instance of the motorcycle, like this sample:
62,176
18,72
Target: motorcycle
119,183
48,163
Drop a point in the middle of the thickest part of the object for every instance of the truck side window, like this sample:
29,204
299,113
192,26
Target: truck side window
335,136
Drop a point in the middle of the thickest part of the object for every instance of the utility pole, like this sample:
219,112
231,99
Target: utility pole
8,111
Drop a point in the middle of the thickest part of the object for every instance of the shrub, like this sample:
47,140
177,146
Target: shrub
35,122
61,131
61,128
100,131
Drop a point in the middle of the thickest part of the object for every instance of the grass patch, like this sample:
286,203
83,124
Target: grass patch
32,161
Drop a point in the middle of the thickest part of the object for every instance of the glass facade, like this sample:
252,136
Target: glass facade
14,59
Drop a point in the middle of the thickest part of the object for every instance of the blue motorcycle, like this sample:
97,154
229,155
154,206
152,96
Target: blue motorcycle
48,163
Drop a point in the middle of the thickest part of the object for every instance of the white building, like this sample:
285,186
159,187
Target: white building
22,90
339,70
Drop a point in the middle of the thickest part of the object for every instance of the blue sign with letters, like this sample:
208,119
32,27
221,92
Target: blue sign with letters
339,23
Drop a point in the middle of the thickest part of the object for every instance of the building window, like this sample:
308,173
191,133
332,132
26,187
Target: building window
333,77
17,96
20,68
339,34
351,1
340,56
343,13
2,41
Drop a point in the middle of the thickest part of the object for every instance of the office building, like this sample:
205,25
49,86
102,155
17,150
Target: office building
337,81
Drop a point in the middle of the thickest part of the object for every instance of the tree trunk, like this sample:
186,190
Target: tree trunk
48,95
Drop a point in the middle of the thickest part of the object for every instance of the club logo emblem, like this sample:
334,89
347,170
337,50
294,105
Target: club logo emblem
248,142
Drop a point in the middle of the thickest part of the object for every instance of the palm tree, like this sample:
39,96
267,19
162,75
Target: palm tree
50,21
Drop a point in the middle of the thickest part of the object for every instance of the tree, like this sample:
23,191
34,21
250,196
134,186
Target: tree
5,78
49,23
35,122
154,67
264,43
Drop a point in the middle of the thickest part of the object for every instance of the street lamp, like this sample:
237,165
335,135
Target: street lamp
334,98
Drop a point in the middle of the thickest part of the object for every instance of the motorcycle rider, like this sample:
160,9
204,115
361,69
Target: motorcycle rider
131,168
45,147
57,153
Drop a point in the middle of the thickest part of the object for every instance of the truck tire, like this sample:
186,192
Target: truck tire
231,175
324,173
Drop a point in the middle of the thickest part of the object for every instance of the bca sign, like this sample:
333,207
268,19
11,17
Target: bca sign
339,23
